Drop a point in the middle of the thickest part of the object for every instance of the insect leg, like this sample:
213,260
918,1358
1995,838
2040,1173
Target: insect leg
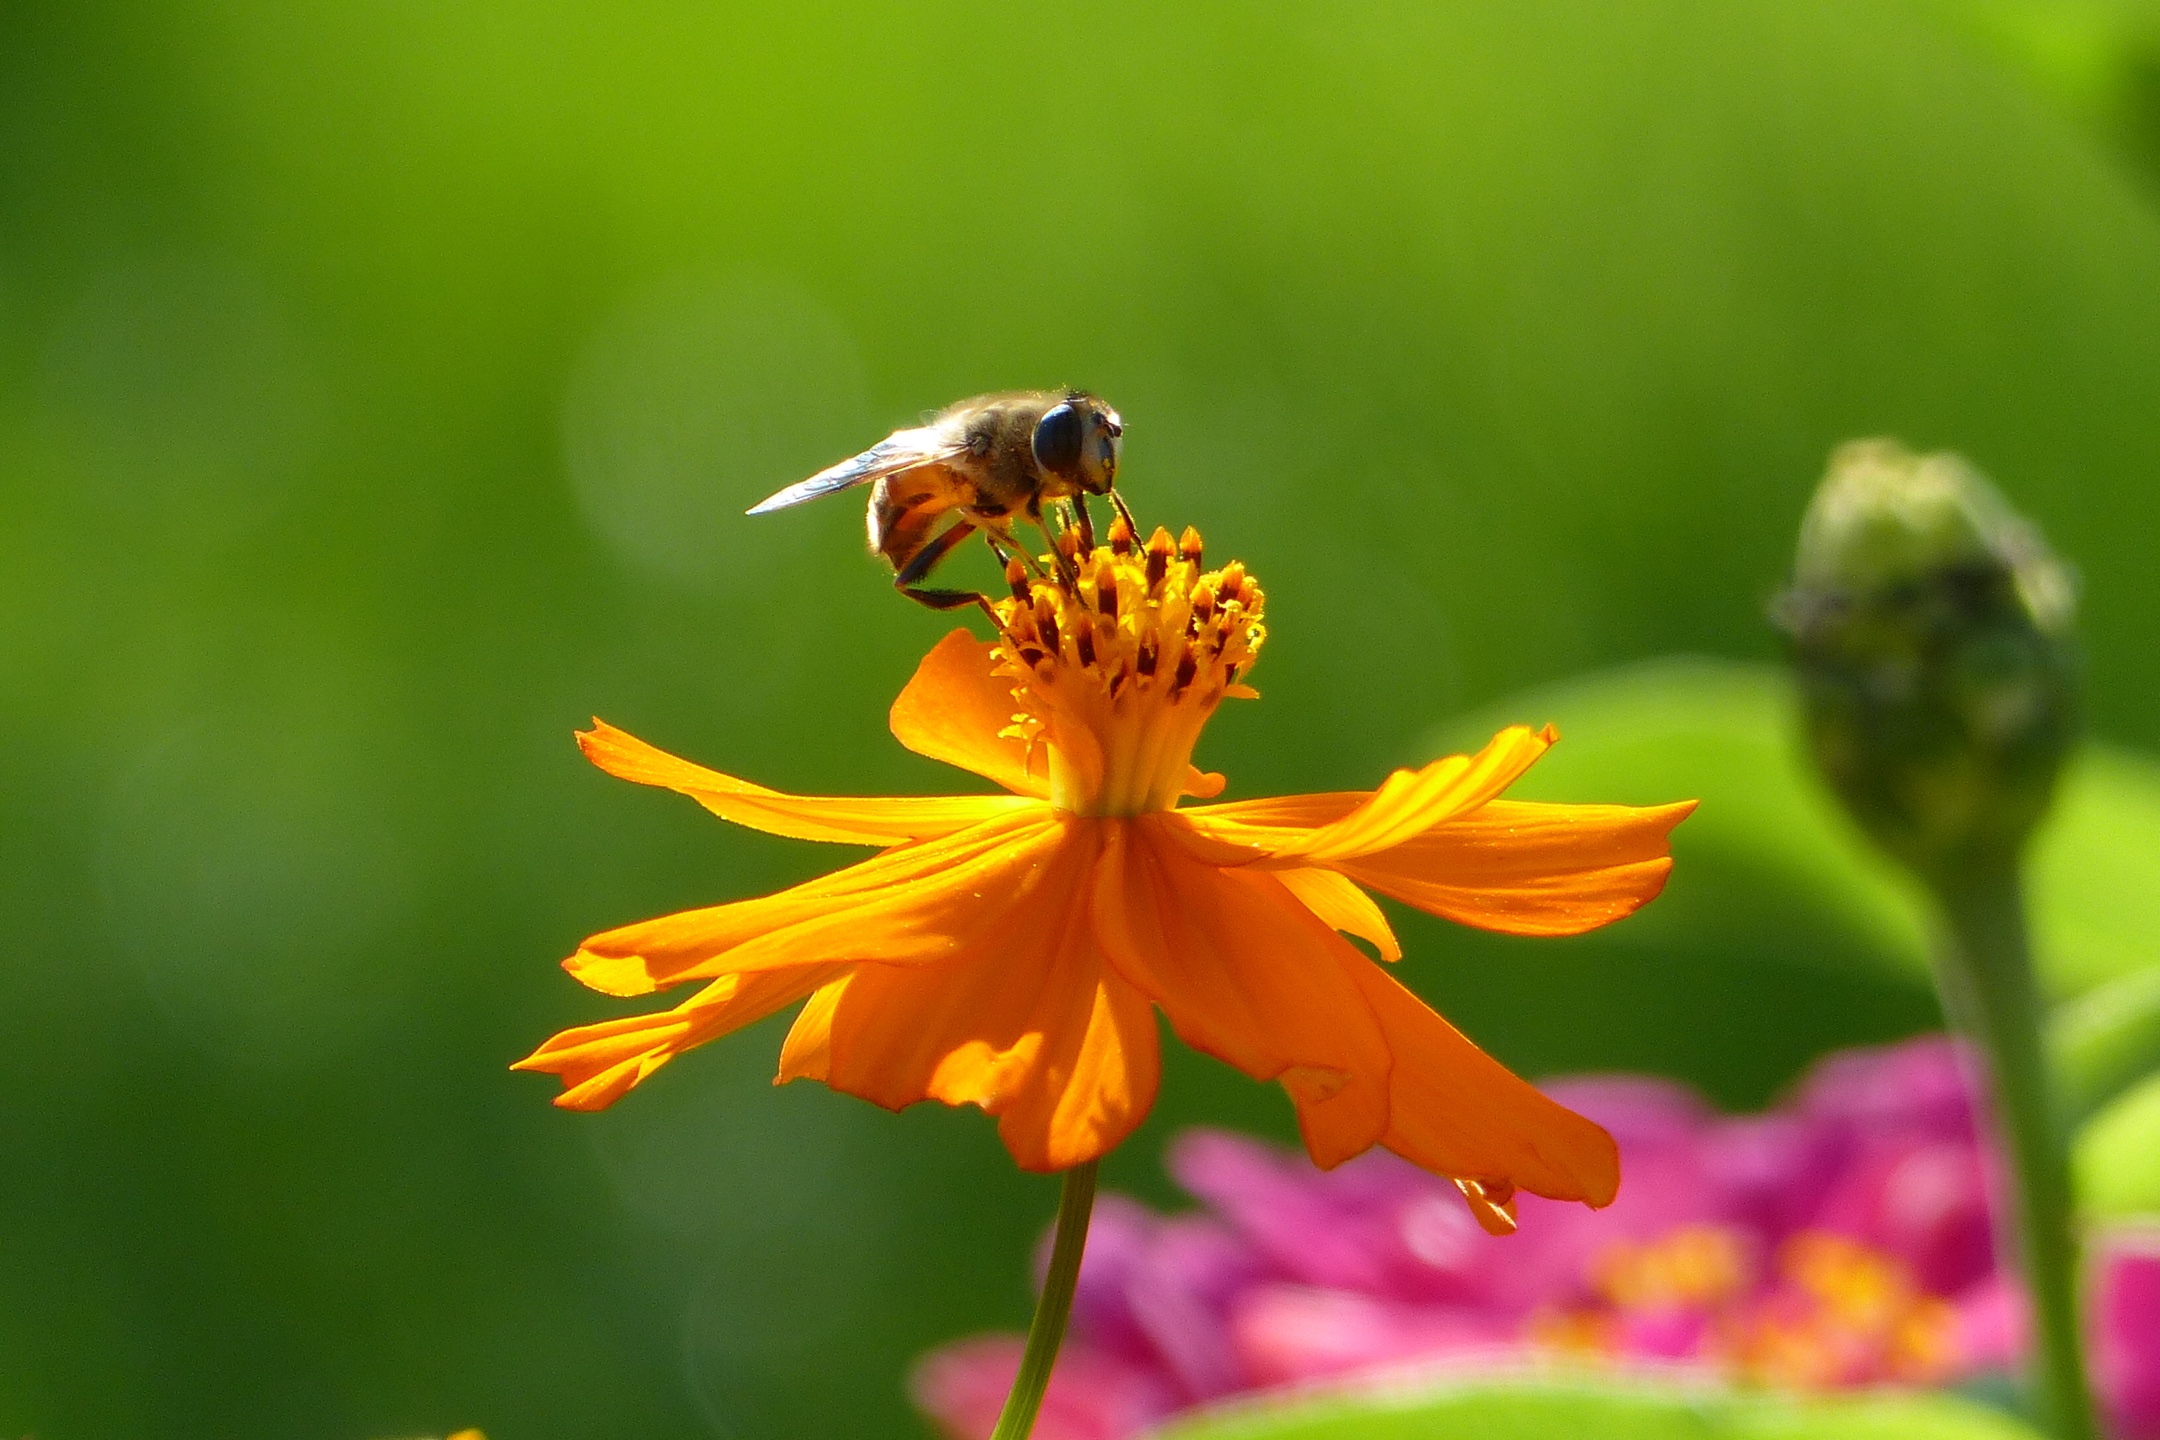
1008,549
924,560
1125,513
1086,522
1058,557
1007,552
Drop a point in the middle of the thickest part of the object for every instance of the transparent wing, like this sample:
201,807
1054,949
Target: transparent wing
901,450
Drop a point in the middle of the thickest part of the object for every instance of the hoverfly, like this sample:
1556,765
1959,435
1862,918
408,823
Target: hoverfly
986,462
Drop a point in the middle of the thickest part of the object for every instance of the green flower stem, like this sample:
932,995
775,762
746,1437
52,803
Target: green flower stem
1989,977
1047,1331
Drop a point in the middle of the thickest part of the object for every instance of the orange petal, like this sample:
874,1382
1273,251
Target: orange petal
599,1064
954,709
1492,1203
1458,1112
915,902
1341,906
806,1054
1410,802
1202,784
873,820
1247,830
1531,869
1031,1026
1246,973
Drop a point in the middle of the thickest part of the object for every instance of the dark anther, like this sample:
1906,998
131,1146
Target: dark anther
1189,545
1145,661
1048,629
1159,551
1031,657
1121,536
1084,645
1106,592
1203,602
1017,577
1187,667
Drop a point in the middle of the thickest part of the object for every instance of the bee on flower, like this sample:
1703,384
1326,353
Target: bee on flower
1011,950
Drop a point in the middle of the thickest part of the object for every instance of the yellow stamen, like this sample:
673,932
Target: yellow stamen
1861,1316
1695,1265
1116,670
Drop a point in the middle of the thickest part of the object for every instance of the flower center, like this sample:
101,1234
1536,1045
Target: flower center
1832,1312
1118,657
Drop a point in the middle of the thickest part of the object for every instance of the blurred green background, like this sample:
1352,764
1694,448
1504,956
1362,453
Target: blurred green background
380,390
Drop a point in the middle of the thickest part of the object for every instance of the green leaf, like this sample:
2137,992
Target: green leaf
1571,1408
2117,1157
2095,872
1769,865
2105,1041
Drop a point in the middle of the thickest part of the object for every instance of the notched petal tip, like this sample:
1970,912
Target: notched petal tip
598,741
602,1062
1203,784
1531,867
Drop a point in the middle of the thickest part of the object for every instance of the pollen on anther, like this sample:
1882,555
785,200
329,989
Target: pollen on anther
1016,576
1121,536
1203,602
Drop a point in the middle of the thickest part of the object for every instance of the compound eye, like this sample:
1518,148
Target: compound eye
1057,439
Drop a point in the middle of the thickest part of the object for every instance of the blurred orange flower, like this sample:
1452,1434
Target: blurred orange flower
1009,951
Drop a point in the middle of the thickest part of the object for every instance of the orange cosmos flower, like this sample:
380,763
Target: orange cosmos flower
1009,951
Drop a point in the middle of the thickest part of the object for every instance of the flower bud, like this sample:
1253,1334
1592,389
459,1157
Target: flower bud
1932,632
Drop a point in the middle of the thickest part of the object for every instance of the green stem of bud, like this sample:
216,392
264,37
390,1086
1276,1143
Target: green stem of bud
1987,981
1076,1201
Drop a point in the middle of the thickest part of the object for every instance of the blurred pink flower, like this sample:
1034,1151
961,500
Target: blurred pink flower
2128,1338
1842,1238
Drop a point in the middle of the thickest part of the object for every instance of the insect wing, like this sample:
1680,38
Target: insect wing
901,450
